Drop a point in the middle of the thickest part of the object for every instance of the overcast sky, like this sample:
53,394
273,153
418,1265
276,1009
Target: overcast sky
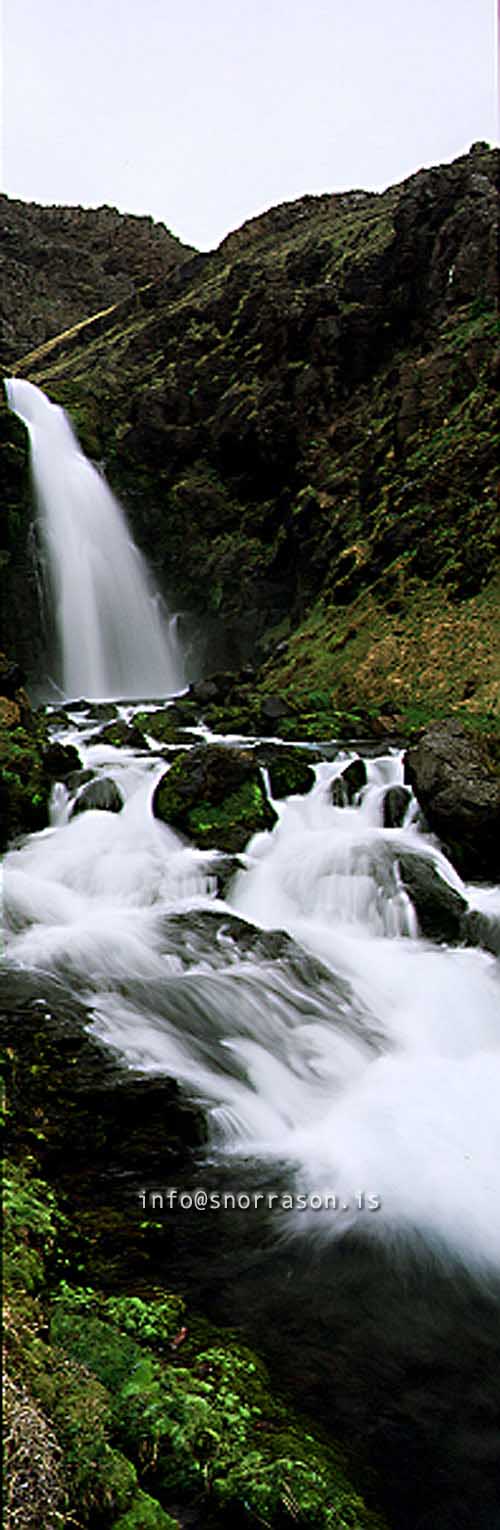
205,112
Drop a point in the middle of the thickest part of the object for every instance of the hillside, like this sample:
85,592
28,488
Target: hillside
302,426
60,264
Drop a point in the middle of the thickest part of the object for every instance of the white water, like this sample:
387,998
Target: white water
114,639
380,1073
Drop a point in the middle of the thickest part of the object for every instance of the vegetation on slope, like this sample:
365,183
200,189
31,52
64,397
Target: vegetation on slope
305,420
109,1422
60,264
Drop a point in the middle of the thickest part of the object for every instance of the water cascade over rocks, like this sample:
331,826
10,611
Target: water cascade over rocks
114,638
336,1051
380,1074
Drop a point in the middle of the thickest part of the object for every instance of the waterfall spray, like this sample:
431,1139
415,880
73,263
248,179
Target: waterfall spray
114,638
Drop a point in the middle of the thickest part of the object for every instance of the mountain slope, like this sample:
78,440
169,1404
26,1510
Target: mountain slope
304,421
60,264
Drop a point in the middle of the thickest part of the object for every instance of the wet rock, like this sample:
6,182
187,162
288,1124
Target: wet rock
79,778
215,796
121,735
60,760
59,718
440,908
455,776
103,711
224,869
351,781
483,930
396,803
95,1116
290,770
102,795
273,708
12,679
206,691
166,725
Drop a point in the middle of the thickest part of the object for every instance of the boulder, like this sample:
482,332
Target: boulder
483,930
215,796
102,795
224,869
351,781
455,776
396,803
103,711
121,735
166,725
441,910
273,708
60,760
77,779
206,691
290,770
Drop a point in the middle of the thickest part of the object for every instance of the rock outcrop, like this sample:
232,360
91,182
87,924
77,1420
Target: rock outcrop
456,779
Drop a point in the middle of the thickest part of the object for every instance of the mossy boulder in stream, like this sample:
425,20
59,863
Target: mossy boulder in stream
290,770
216,796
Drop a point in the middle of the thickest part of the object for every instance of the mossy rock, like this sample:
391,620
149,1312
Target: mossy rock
145,1513
236,719
25,785
121,735
141,1425
166,725
290,770
216,797
213,1423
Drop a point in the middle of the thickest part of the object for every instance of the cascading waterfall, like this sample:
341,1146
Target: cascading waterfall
380,1073
114,638
333,1051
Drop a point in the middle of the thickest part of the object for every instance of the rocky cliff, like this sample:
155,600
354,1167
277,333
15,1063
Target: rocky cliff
60,264
302,426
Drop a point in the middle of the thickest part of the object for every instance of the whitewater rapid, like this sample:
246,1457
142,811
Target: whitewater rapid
363,1057
114,636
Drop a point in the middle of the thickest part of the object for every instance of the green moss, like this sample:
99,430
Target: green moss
214,1427
127,1416
24,785
243,813
201,797
289,773
145,1513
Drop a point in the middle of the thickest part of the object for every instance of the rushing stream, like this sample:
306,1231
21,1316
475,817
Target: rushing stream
346,1058
348,1069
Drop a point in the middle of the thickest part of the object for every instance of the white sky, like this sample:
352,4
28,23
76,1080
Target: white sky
205,112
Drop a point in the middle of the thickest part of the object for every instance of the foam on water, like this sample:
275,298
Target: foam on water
364,1055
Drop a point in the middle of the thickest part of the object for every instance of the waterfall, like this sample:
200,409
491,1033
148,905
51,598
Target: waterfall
114,639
